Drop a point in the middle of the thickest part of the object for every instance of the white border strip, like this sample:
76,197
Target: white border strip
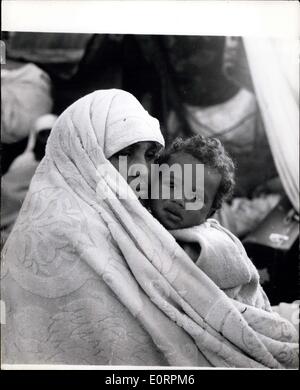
255,18
111,368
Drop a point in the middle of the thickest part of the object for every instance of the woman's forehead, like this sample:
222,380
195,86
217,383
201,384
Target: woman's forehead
145,145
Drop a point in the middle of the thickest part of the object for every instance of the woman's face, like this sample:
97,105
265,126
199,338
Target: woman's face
139,154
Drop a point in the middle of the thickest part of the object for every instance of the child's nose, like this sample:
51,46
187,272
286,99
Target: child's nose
179,202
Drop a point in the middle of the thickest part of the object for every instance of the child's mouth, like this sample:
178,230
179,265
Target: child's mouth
175,216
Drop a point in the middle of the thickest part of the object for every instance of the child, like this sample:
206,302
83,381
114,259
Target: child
213,248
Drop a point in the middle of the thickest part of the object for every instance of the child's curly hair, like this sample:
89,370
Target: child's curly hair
209,151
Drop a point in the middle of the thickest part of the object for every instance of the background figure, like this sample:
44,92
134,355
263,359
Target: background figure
16,181
26,95
202,85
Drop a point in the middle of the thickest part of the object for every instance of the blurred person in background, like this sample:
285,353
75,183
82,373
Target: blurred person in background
15,182
26,95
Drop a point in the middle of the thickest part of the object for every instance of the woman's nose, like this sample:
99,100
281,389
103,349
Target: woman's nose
139,169
139,166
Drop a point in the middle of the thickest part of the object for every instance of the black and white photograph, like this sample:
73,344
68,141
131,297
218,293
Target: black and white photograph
149,199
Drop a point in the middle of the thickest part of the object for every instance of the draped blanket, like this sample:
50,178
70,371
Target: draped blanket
224,260
90,277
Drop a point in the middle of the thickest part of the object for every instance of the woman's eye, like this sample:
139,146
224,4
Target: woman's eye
151,155
124,153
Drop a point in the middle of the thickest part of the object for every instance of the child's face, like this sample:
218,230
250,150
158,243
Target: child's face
172,213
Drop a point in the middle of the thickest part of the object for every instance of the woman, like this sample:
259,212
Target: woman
90,277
